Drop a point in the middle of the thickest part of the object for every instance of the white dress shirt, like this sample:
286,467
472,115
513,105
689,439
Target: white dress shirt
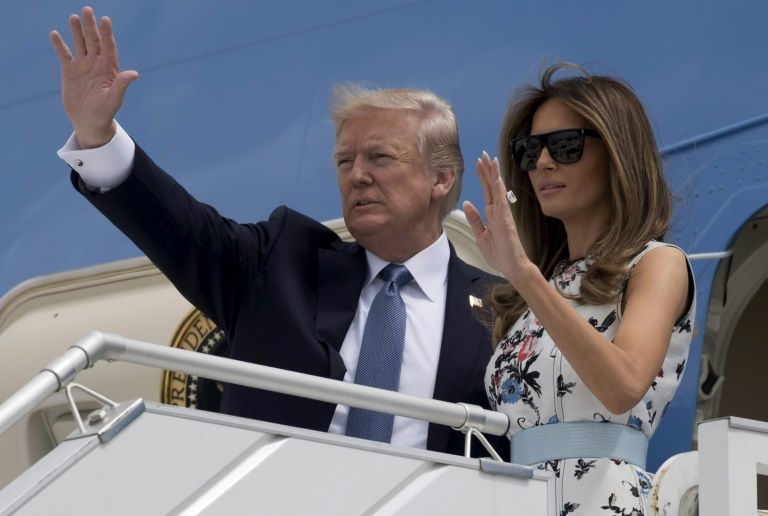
104,167
424,297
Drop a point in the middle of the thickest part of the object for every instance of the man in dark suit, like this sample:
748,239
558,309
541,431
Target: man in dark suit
287,291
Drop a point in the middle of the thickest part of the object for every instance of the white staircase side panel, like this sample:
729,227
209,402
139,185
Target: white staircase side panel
146,469
180,461
732,452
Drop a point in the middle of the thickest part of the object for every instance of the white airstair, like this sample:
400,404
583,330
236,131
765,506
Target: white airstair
146,458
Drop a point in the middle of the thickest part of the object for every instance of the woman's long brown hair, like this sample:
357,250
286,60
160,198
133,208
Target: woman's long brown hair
640,199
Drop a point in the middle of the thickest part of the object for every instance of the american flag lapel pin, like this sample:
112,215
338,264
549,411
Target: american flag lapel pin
475,302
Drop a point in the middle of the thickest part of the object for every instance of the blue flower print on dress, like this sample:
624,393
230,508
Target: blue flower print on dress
635,422
510,390
645,481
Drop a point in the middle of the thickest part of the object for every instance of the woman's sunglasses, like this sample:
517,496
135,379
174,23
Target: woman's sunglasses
565,146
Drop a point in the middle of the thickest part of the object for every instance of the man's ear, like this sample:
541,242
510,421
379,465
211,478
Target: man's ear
444,179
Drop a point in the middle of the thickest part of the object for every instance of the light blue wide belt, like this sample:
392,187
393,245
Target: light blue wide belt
579,439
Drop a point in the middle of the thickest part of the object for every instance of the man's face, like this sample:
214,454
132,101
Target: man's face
386,190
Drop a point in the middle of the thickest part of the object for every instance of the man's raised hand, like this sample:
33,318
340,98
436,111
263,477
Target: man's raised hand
92,85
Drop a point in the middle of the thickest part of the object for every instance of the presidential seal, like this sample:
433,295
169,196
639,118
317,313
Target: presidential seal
196,333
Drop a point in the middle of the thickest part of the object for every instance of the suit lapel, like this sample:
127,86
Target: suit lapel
458,351
341,272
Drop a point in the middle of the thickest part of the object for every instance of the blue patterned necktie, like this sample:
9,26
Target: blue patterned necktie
381,354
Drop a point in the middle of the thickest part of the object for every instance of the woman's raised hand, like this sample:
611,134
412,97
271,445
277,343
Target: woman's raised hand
498,239
92,85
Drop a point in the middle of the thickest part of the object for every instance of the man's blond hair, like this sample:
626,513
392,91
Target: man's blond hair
438,131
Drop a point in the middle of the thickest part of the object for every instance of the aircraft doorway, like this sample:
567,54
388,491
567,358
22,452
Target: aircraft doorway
735,354
743,391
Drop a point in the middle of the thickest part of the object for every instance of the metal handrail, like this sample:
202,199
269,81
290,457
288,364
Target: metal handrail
105,346
710,256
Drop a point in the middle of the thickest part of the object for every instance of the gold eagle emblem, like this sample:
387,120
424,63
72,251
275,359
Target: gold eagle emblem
195,333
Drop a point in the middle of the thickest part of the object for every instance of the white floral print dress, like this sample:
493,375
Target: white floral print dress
529,380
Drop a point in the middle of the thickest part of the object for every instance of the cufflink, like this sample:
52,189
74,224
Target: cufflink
79,163
475,302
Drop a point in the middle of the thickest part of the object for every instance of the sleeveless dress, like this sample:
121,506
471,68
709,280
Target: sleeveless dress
529,380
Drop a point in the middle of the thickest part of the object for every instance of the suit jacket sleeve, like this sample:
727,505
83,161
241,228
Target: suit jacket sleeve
206,256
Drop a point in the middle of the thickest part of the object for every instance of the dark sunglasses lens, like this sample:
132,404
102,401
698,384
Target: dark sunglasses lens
526,152
566,146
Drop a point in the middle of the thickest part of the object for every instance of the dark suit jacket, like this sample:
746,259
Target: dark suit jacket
285,291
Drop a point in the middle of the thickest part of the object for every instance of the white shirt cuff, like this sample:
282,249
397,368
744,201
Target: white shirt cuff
104,167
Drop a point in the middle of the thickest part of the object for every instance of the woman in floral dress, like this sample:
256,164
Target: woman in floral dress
594,326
